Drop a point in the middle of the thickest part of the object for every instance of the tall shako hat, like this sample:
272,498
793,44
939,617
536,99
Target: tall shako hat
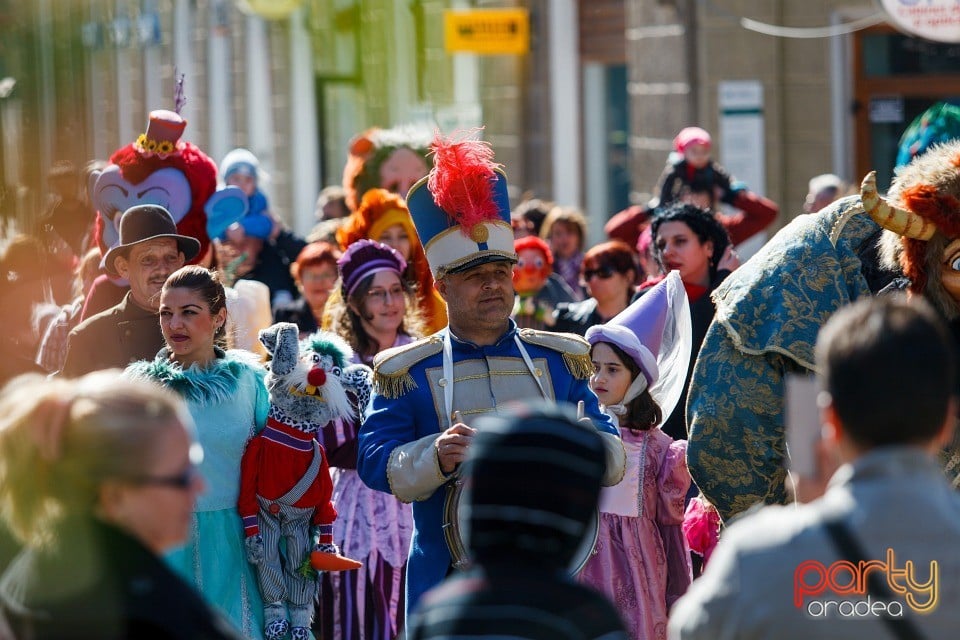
461,208
162,137
655,332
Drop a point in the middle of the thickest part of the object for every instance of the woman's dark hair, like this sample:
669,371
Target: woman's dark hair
204,283
643,412
703,224
616,255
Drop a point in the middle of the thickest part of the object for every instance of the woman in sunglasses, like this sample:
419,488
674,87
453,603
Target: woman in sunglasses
608,272
228,401
97,481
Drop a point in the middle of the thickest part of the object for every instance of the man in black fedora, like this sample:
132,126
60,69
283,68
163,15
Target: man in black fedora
150,249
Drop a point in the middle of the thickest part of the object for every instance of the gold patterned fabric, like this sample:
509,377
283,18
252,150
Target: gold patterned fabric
768,313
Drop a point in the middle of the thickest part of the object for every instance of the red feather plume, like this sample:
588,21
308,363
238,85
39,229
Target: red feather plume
462,180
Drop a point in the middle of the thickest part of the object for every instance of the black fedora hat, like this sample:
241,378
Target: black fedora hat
145,222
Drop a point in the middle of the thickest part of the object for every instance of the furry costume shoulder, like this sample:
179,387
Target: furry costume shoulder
213,384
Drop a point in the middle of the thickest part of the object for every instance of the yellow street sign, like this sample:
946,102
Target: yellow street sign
271,9
487,31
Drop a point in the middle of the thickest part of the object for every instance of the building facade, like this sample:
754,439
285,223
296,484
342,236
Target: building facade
585,115
789,89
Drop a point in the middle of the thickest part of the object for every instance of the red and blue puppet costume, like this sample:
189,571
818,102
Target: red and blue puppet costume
285,485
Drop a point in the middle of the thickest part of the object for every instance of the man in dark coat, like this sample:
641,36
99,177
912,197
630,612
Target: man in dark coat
149,251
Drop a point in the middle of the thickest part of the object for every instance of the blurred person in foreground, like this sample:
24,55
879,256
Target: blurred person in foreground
522,542
888,521
98,480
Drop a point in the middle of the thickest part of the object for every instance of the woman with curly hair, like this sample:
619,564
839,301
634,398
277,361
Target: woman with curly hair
375,311
383,216
692,241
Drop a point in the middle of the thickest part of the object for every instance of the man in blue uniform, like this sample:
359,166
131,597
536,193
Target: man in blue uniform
426,394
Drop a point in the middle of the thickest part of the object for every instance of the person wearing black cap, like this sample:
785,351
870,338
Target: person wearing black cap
521,542
150,249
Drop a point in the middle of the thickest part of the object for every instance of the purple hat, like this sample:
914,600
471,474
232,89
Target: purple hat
655,332
364,258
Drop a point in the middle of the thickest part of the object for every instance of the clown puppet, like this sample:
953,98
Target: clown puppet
532,307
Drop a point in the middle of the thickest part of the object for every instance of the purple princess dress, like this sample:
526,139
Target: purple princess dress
374,528
641,561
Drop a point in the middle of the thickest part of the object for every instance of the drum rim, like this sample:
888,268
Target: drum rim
458,551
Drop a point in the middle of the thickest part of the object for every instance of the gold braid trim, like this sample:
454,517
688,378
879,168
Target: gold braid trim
579,366
575,350
391,368
393,385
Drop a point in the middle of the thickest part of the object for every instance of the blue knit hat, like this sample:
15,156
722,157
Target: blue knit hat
239,161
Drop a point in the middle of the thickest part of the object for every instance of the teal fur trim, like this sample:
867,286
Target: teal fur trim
217,383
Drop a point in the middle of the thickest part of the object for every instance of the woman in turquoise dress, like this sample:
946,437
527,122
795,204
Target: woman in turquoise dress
228,401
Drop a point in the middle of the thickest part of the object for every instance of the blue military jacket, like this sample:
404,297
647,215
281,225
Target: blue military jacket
406,414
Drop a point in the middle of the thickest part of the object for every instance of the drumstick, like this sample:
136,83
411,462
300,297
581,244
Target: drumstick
580,410
457,417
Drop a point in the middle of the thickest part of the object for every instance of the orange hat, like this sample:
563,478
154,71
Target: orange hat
378,211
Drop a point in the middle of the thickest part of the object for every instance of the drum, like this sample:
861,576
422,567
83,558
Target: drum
453,526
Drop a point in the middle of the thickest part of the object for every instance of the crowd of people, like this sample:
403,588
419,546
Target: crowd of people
560,434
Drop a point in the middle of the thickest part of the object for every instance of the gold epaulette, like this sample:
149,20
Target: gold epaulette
575,349
391,368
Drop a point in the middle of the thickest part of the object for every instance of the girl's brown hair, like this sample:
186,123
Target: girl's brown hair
346,323
643,412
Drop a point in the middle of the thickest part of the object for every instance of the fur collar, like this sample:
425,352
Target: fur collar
214,384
